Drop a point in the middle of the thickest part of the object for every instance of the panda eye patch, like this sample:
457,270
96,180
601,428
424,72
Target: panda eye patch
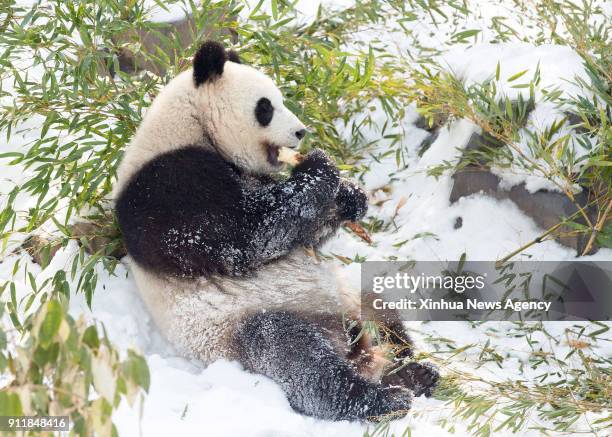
264,111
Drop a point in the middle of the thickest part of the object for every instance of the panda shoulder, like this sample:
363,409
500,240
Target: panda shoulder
193,158
183,170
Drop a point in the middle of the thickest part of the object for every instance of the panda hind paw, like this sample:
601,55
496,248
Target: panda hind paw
421,377
395,403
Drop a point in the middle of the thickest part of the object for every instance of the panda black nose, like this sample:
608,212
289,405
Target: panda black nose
300,133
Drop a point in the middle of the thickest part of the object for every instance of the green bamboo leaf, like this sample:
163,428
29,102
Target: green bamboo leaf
10,404
136,368
90,337
517,75
51,323
460,36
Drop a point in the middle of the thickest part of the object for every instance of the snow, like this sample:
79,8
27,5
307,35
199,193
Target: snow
164,12
476,61
223,400
558,67
160,12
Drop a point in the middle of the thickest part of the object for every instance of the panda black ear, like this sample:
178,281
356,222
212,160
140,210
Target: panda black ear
208,62
233,56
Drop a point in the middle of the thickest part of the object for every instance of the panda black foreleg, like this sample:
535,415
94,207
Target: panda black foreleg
304,210
284,215
317,381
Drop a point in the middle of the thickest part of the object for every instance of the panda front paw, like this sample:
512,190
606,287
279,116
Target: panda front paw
318,163
352,201
318,170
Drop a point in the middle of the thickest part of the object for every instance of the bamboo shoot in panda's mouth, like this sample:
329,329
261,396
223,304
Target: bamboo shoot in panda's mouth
289,156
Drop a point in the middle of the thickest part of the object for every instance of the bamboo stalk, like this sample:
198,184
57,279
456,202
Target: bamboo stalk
598,227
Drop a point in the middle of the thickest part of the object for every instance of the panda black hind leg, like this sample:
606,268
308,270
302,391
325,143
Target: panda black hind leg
421,377
318,381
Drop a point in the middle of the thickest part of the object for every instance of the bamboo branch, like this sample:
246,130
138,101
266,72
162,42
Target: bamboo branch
598,227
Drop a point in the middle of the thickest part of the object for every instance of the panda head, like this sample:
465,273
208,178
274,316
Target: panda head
243,110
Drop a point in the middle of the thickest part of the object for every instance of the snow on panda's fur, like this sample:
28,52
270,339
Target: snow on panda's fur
216,244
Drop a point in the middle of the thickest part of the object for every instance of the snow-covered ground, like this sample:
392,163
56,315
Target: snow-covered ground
224,400
188,399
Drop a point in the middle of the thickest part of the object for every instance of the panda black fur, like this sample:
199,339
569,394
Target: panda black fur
216,244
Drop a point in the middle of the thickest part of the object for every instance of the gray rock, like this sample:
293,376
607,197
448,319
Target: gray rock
434,131
169,38
428,141
422,123
576,122
479,141
474,180
546,208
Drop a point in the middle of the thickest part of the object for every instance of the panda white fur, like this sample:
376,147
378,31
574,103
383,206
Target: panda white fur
216,244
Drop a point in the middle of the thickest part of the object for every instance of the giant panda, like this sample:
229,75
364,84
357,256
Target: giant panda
216,243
